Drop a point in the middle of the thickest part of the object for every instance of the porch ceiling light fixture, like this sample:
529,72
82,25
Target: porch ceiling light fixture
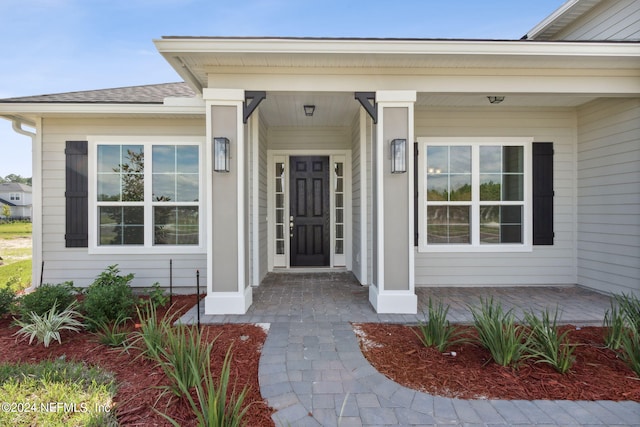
221,154
309,110
495,99
399,156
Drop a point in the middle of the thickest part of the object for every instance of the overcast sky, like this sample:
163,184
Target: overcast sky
52,46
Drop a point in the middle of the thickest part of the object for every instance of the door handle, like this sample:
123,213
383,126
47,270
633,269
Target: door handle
291,226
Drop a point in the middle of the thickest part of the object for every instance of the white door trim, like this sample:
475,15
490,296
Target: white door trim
284,156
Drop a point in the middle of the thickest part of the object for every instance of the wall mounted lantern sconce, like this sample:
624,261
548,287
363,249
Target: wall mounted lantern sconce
399,156
495,99
221,154
309,110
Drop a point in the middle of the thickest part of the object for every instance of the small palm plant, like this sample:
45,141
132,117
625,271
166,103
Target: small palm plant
47,327
498,332
546,344
436,331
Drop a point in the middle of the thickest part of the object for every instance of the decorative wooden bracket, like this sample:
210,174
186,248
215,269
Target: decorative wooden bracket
251,101
368,101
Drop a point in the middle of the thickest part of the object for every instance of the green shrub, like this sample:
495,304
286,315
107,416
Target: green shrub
47,327
436,331
546,344
218,404
7,298
157,296
498,332
108,298
44,297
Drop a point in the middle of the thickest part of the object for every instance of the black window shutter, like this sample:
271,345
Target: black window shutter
543,193
76,195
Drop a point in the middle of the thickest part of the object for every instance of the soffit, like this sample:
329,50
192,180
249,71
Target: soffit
564,16
197,58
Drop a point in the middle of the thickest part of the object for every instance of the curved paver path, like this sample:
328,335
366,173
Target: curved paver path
313,373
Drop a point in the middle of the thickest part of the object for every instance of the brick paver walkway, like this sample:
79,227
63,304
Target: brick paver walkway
313,373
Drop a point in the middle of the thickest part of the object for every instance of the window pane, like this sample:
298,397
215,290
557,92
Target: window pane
109,187
437,160
163,188
339,247
176,225
490,187
339,216
339,231
132,187
448,224
339,169
187,159
164,158
460,187
280,247
490,159
187,188
437,187
460,159
121,225
513,159
513,188
108,158
501,224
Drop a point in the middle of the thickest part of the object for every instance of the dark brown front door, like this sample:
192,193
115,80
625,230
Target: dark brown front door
309,211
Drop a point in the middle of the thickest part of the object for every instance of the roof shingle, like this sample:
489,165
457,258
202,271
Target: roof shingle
147,94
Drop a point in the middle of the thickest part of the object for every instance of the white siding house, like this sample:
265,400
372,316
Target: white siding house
17,197
408,162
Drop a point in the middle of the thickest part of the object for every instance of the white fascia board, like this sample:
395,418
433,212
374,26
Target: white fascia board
84,109
392,47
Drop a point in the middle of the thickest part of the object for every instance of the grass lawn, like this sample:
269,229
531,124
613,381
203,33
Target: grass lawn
15,230
15,251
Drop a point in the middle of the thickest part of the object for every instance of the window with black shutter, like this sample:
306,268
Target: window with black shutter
76,195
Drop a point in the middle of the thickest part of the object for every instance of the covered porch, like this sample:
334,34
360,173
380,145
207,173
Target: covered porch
256,93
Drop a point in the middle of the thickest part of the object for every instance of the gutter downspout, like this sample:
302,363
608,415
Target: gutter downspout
36,210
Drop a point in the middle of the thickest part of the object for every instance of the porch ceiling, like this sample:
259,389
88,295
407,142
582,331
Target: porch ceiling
286,109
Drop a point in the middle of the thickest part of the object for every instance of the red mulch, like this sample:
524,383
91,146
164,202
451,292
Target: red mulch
597,373
139,378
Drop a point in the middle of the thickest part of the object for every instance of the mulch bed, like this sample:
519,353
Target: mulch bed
138,379
597,374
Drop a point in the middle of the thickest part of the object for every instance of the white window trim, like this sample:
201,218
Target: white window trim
148,247
475,246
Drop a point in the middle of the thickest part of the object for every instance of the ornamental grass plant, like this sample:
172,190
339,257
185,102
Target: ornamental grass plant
436,331
498,332
546,344
47,327
217,403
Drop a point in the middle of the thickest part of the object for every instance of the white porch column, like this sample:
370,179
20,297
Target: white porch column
392,289
228,290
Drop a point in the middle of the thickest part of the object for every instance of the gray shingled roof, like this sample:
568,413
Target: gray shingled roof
14,187
148,94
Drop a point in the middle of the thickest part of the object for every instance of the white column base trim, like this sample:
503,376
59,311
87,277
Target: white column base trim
393,302
228,302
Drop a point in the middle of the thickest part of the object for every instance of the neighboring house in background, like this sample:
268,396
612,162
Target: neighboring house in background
17,197
525,169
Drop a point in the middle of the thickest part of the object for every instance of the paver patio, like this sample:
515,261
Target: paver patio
313,373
